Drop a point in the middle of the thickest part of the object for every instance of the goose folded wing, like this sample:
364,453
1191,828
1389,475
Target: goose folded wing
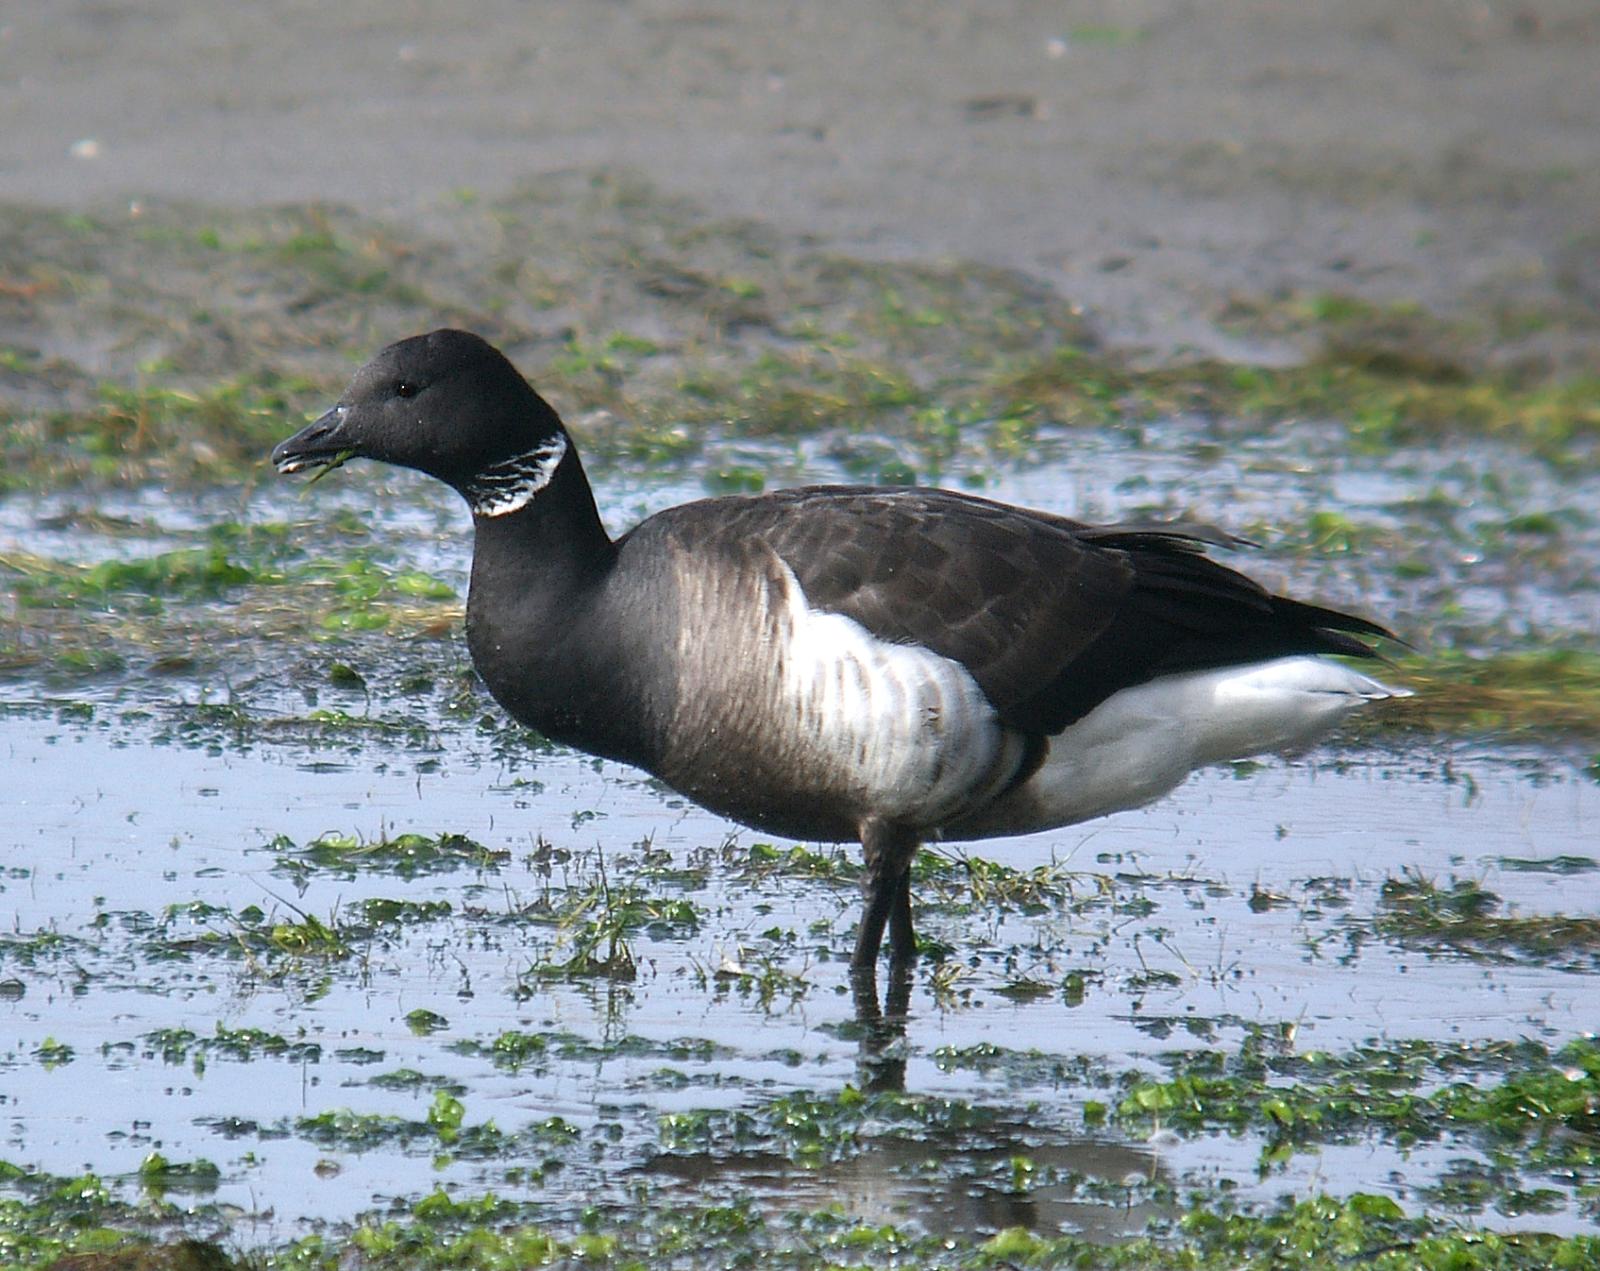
1049,616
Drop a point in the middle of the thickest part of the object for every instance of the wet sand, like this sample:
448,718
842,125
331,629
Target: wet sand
1156,160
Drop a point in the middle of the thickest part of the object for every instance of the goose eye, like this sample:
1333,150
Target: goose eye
405,388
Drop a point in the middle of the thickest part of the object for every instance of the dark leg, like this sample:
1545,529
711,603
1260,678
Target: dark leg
886,888
902,939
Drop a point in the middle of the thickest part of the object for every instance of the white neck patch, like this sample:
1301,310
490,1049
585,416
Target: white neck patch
510,485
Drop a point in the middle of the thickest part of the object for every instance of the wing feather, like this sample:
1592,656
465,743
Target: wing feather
1048,615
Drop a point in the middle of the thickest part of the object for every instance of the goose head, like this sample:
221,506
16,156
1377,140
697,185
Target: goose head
448,404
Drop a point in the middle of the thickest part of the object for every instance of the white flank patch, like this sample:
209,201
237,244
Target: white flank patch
1142,742
510,485
908,728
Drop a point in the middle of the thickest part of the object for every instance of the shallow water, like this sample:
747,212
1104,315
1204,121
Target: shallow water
1474,546
151,844
111,840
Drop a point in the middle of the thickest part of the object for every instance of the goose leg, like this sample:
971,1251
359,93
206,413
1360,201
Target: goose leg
902,938
886,889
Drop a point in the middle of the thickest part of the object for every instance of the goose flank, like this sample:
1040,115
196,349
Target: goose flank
837,663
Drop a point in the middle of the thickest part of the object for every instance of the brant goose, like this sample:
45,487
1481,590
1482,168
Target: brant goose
888,665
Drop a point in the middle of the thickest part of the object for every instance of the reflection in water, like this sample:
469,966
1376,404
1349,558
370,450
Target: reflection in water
950,1183
950,1187
881,1062
141,847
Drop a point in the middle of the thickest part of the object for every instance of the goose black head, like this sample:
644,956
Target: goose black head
449,404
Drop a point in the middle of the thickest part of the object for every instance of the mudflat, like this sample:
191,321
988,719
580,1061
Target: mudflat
357,971
1158,162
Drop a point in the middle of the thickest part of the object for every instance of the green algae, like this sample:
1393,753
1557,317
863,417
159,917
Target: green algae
182,1045
161,612
807,1127
687,335
514,1050
158,1175
70,1221
1513,693
214,432
189,573
750,335
403,855
903,372
1542,1105
1463,917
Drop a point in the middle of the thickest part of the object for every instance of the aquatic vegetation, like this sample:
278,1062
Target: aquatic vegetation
310,937
789,341
158,1175
513,1051
404,855
1544,1105
832,864
594,928
189,573
675,998
489,1230
808,1127
147,431
181,1045
1463,917
1516,692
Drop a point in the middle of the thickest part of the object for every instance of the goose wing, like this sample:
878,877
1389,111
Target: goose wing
1048,615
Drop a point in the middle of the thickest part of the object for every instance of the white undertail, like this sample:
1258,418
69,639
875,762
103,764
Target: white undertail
1142,742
